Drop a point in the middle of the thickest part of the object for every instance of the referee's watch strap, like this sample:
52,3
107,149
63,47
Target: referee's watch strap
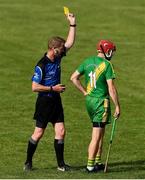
73,25
51,88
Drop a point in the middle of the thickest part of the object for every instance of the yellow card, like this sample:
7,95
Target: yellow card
66,10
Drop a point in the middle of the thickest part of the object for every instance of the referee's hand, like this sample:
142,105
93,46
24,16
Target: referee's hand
71,18
60,88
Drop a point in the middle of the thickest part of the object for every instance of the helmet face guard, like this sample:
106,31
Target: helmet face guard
107,48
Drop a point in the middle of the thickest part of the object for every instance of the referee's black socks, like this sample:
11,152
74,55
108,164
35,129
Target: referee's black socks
32,145
59,150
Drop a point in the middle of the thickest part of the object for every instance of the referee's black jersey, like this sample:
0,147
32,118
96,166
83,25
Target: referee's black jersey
47,73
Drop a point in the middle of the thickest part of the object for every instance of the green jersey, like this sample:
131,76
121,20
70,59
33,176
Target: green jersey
97,71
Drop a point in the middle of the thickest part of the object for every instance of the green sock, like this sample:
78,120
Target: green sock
98,160
90,164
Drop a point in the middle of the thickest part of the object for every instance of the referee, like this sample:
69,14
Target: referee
46,81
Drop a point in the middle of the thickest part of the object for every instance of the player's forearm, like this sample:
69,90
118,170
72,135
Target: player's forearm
114,96
79,86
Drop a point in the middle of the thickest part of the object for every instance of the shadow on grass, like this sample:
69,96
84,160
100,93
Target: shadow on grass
126,166
119,166
123,166
72,168
78,168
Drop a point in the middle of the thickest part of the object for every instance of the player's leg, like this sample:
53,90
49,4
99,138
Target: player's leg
32,145
93,147
99,152
59,145
105,116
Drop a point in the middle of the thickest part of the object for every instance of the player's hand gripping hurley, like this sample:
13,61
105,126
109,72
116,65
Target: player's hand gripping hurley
111,139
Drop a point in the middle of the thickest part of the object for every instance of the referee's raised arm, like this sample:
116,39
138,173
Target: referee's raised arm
72,31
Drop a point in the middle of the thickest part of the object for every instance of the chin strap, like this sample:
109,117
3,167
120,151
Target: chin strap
108,56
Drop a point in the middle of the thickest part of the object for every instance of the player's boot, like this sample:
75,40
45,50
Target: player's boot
94,170
100,166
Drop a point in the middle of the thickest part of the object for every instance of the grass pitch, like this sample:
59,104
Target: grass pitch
25,27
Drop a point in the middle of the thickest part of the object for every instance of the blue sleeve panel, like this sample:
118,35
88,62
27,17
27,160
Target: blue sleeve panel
37,77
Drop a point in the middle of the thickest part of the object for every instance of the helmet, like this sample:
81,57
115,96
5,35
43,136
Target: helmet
106,47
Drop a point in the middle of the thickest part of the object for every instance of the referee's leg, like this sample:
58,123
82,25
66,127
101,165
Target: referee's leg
59,143
32,145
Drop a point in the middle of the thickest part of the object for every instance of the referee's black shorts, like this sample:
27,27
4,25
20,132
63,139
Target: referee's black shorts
48,109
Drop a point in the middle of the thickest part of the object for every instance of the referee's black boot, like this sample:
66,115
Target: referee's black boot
27,166
63,168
